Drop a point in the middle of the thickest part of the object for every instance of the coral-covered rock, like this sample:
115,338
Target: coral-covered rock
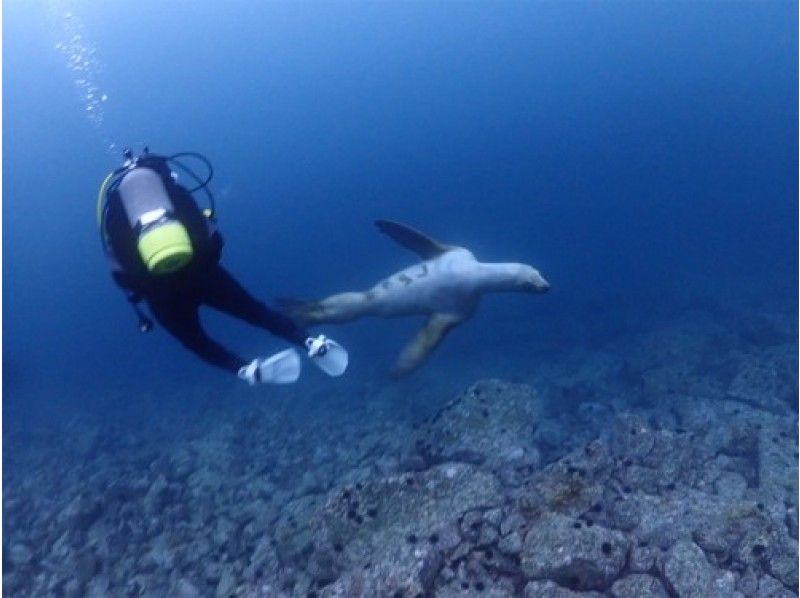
580,558
766,379
387,533
491,424
293,537
687,570
548,589
637,586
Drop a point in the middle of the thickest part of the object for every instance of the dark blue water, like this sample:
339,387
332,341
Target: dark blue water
642,156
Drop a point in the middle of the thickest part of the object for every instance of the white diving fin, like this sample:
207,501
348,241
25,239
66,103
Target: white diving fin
327,355
281,368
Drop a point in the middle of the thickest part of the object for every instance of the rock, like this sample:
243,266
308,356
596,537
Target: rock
80,513
687,570
390,536
625,514
733,436
226,584
766,380
730,486
20,555
595,414
747,583
570,486
652,459
777,465
632,437
511,544
725,585
548,589
98,586
769,587
121,490
783,563
81,568
490,424
643,557
293,539
683,515
551,433
322,567
86,441
263,562
74,589
157,496
413,462
212,571
14,584
160,555
309,484
584,558
636,586
183,464
476,588
186,588
224,531
258,515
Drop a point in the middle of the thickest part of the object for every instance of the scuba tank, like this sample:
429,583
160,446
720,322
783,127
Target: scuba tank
162,241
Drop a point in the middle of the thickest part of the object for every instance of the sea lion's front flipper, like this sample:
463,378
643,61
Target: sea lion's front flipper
427,339
413,240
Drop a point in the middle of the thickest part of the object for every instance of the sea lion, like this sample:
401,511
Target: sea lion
446,286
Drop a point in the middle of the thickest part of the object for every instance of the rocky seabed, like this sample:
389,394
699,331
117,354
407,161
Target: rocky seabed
662,466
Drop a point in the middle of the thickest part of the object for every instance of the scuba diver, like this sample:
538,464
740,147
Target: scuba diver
165,250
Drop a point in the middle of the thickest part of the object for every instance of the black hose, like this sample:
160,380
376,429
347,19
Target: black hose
200,184
112,186
200,157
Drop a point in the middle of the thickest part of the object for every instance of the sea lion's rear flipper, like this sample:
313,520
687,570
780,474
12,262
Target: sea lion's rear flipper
427,339
302,311
335,309
413,240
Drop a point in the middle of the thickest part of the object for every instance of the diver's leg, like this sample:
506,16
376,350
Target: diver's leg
180,318
222,292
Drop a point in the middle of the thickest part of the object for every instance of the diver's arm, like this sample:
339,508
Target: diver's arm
134,297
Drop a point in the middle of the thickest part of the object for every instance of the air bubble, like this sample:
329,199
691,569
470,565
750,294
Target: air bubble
81,59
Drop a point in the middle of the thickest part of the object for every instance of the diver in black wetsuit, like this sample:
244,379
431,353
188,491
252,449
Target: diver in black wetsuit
165,250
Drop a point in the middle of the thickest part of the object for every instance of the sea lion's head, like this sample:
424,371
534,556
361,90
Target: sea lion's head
527,279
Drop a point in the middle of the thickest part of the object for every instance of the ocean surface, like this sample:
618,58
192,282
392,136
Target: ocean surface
642,156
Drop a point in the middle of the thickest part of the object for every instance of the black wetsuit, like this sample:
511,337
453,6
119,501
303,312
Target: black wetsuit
174,298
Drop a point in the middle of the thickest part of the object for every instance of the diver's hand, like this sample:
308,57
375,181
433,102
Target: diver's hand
327,354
